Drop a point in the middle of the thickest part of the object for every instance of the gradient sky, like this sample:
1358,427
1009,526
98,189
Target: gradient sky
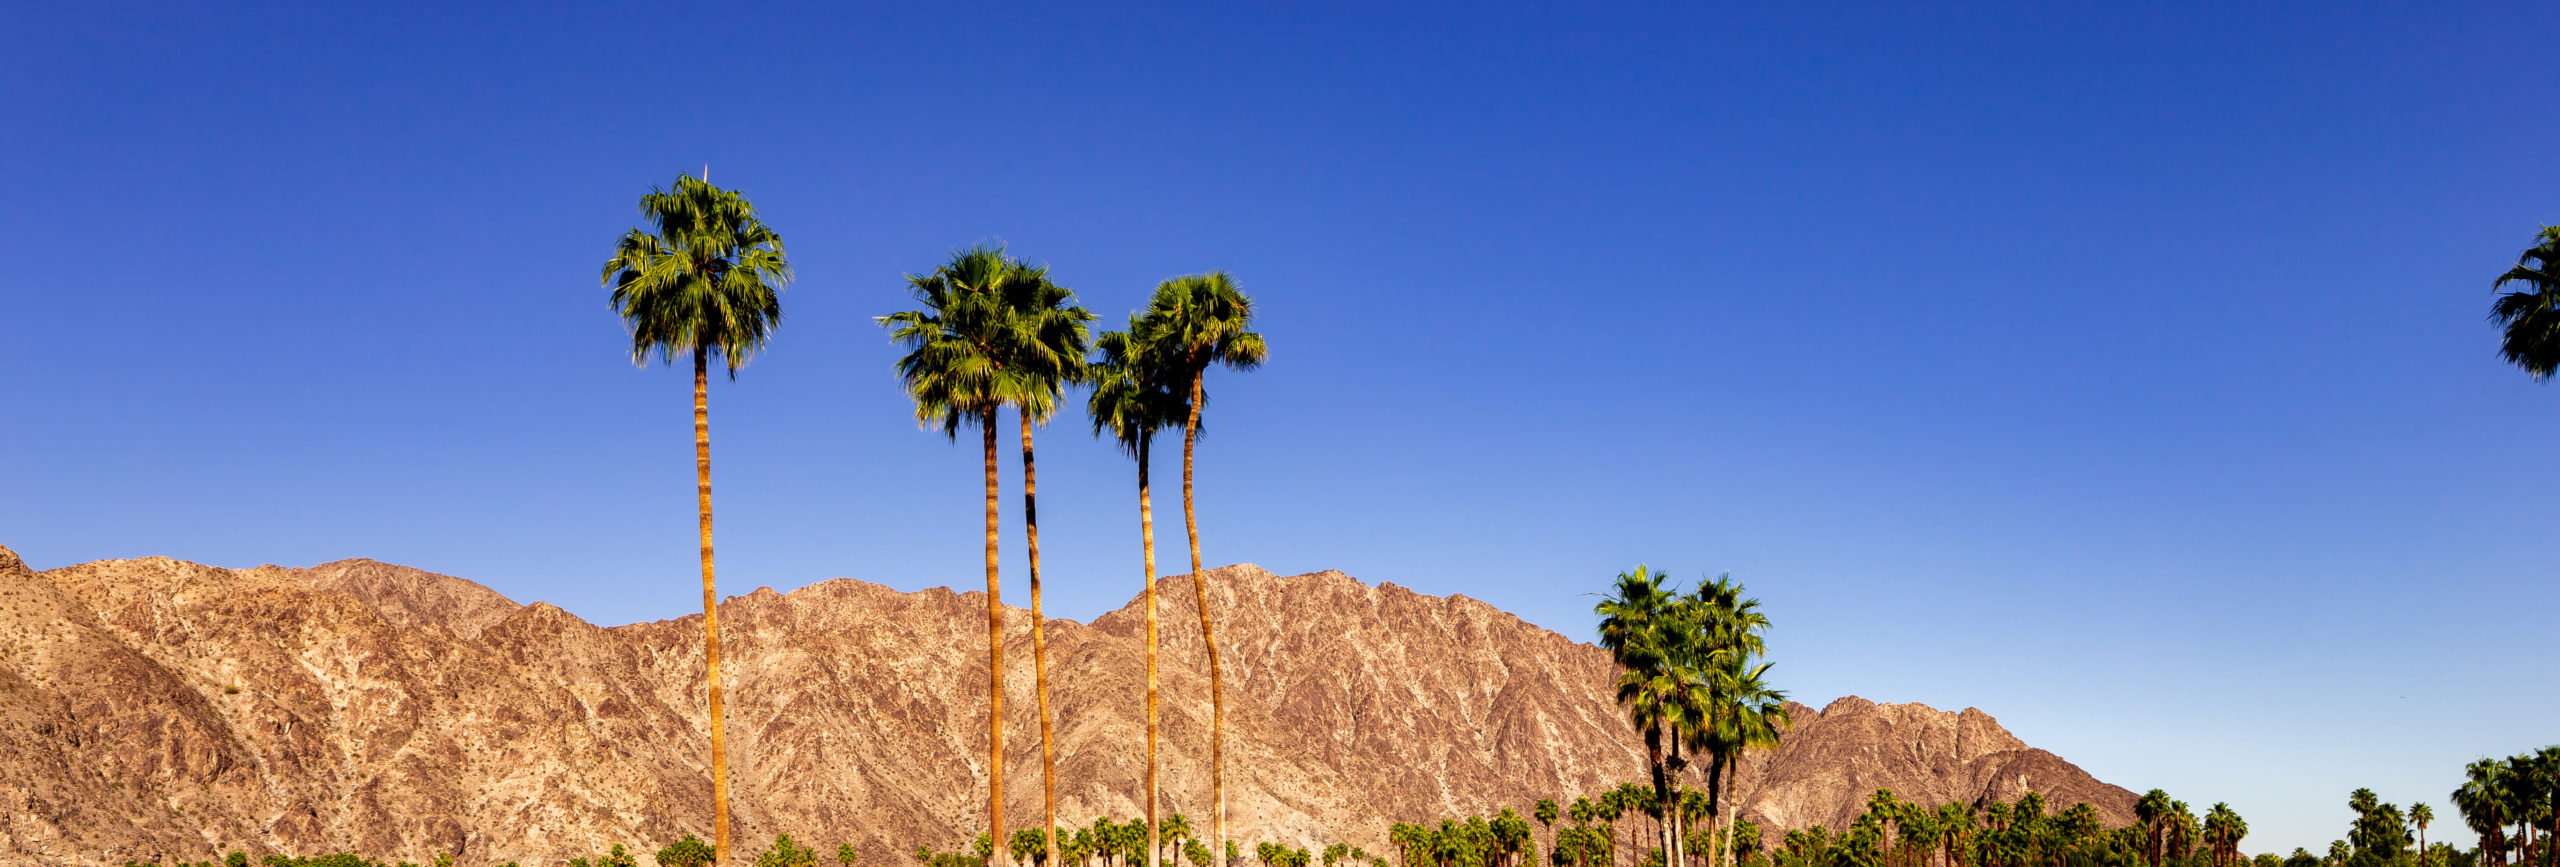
2119,371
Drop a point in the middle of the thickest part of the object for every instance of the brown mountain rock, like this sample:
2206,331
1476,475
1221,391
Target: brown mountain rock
155,708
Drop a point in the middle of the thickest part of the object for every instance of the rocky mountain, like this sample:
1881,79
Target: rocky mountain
157,708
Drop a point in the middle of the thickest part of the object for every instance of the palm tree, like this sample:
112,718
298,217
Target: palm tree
957,370
1131,401
1177,828
1742,712
1195,322
2151,811
2420,814
2531,316
1045,349
1545,813
1954,824
2483,800
707,282
2182,830
1612,805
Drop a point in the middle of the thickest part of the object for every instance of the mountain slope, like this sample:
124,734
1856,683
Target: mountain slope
154,707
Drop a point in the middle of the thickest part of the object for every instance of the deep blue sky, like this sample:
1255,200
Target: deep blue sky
2119,371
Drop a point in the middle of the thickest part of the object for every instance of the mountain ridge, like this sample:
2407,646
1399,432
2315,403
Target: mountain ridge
364,705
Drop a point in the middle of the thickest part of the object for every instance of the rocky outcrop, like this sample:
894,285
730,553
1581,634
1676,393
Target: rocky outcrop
156,708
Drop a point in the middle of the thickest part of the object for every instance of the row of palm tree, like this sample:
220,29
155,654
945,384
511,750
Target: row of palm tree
1502,841
1108,844
1897,833
1691,680
991,332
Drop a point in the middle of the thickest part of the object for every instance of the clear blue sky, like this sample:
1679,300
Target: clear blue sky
2120,371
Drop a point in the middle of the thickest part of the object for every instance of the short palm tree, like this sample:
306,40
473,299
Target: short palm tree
958,368
706,282
2531,315
1132,400
1545,813
1176,830
1193,323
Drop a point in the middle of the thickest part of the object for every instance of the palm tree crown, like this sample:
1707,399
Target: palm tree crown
2531,316
1134,396
965,344
1204,320
709,280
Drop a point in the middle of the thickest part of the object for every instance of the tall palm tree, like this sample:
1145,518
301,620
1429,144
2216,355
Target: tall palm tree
1132,399
958,369
707,282
1195,322
1046,350
1745,714
2531,316
1742,711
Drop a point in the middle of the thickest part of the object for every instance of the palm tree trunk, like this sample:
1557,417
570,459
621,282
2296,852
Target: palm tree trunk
1724,823
1039,649
1661,826
1147,536
1208,634
1669,796
1715,805
995,660
710,603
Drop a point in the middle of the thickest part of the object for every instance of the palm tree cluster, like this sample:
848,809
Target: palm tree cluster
1111,844
1692,681
2512,803
991,332
1277,855
1502,841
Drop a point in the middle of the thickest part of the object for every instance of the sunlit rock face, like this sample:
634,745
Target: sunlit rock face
157,708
